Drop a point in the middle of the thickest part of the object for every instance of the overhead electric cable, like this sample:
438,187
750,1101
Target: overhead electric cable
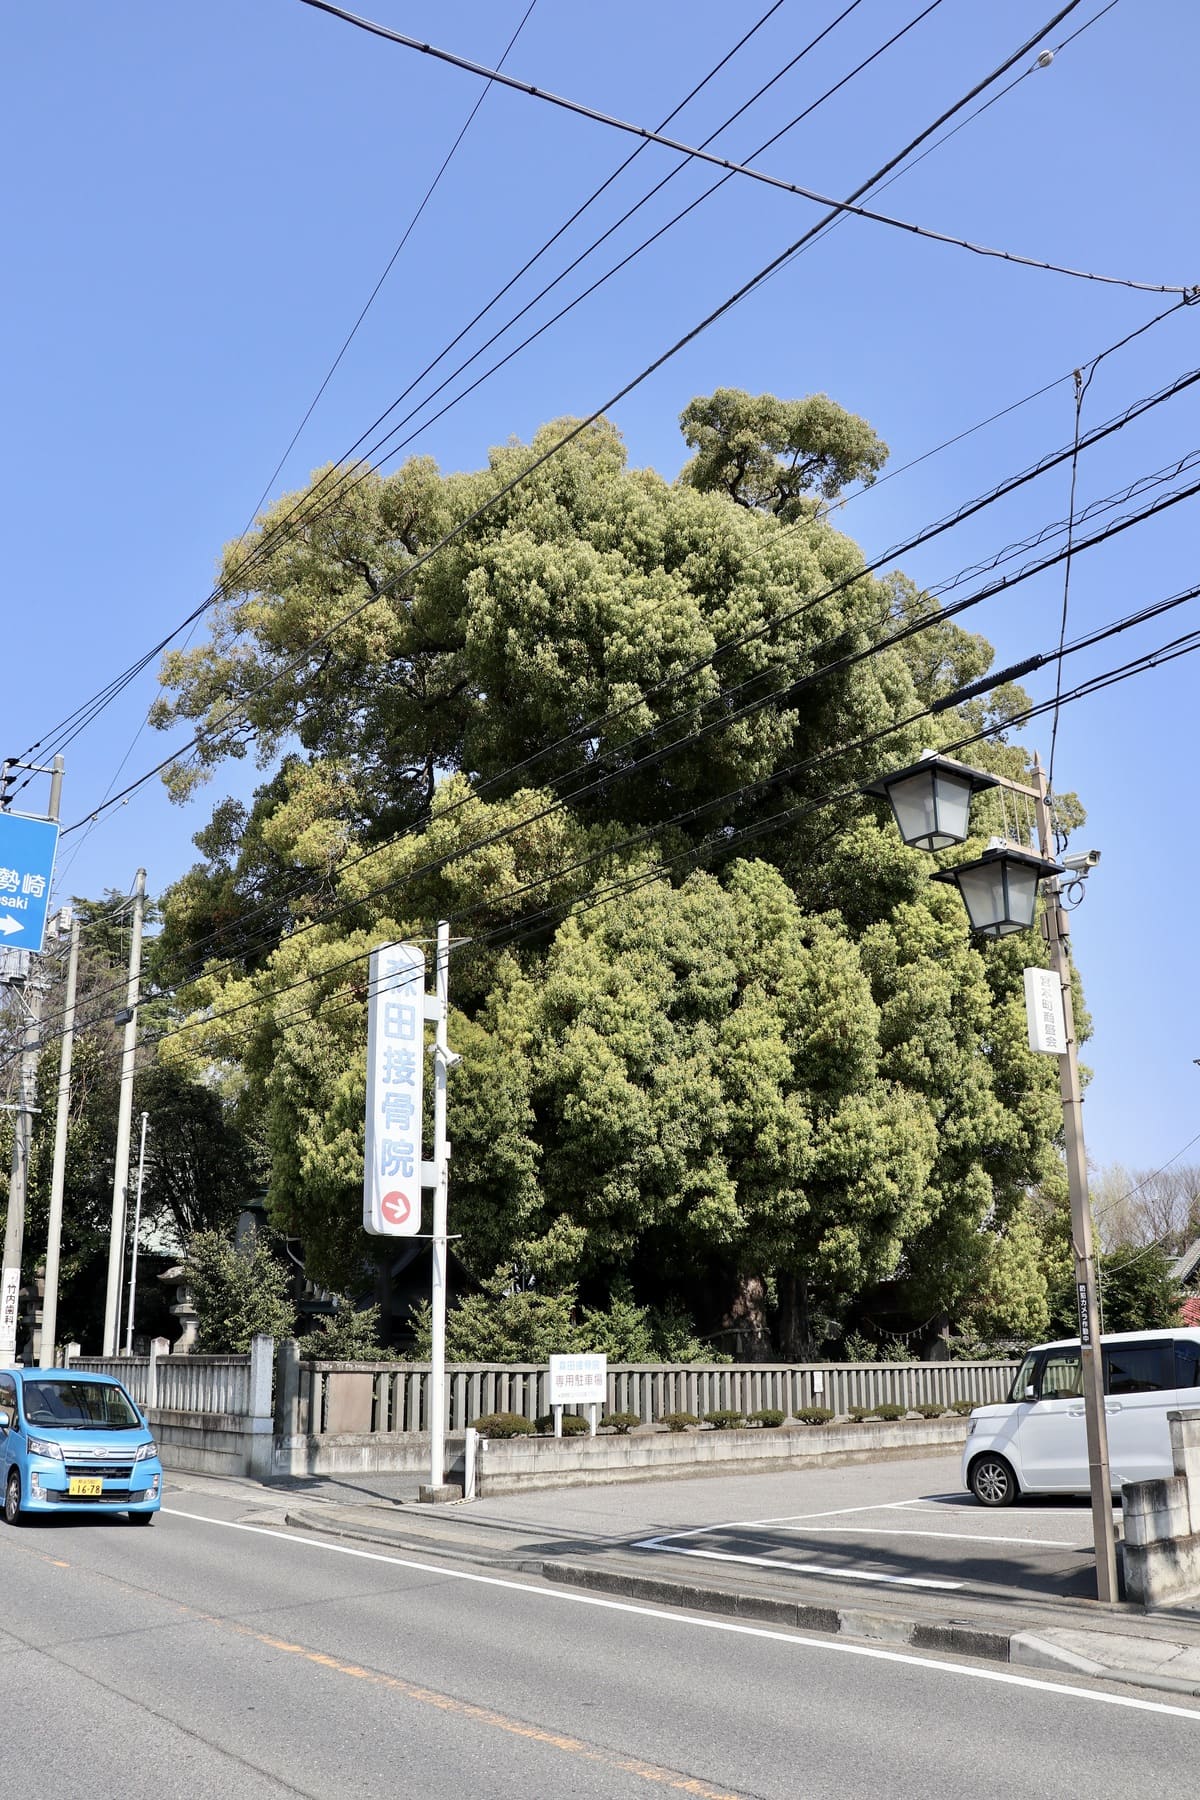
776,181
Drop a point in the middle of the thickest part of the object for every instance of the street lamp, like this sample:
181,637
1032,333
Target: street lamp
1000,892
932,800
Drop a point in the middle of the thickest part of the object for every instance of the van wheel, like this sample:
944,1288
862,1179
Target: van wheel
12,1498
992,1481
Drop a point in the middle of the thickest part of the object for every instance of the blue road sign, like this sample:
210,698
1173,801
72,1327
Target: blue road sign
27,849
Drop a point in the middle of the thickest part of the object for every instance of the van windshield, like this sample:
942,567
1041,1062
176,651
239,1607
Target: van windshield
79,1406
1024,1378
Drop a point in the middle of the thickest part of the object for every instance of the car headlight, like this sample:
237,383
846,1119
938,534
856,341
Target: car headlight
970,1427
145,1451
44,1447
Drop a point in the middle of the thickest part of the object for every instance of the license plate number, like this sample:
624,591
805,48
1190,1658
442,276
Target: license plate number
87,1487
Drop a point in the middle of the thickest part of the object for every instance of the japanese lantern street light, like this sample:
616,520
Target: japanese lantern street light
1000,890
931,799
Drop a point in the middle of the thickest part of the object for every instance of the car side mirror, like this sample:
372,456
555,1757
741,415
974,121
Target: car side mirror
5,1421
1030,1391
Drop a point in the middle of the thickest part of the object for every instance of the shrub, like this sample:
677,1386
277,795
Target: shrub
859,1413
962,1408
239,1294
504,1425
572,1424
814,1415
345,1336
682,1421
929,1411
889,1412
724,1419
769,1417
620,1422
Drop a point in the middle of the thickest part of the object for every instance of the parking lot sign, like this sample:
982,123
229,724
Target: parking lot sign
27,848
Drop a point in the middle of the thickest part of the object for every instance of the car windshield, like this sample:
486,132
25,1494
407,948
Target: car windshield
80,1406
1024,1377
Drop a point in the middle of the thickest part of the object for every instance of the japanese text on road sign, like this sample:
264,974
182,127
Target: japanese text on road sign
27,848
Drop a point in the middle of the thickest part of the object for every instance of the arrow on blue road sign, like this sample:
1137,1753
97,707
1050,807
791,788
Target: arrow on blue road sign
27,848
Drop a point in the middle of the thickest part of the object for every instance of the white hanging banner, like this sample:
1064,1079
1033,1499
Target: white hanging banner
1044,1011
395,1085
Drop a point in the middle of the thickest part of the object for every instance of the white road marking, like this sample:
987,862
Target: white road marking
774,1562
955,1537
832,1646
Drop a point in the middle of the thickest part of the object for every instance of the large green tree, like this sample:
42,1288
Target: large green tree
722,1040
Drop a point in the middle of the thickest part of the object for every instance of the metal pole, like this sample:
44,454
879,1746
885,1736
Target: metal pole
137,1225
441,1156
61,1118
1081,1224
31,1045
116,1235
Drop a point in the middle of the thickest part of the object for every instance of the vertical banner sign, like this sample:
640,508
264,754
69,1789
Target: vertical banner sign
1044,1012
1085,1317
395,1084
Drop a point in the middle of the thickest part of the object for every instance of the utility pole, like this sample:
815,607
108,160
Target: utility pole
116,1236
61,1118
441,1159
1081,1220
133,1250
31,1044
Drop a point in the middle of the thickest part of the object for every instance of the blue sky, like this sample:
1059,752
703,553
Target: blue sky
201,199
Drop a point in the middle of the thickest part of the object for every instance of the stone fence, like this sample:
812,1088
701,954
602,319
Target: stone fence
277,1413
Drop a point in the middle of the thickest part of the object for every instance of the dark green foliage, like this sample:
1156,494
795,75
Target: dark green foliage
929,1411
573,1425
238,1294
814,1415
725,1418
889,1412
859,1413
345,1336
962,1409
620,1422
679,1421
504,1425
1138,1292
769,1417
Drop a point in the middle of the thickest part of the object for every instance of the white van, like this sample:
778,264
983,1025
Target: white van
1035,1442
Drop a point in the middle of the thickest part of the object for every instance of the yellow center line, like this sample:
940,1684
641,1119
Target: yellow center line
485,1716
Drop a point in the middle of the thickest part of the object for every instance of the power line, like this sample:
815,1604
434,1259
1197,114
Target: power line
667,143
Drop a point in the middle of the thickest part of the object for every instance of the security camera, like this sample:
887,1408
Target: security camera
1081,861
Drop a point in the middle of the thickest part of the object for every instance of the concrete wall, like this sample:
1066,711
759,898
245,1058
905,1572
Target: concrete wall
512,1465
1161,1552
363,1453
212,1443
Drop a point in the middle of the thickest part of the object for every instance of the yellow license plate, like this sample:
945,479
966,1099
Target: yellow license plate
86,1486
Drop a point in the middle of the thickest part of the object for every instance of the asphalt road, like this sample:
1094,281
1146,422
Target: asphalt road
210,1656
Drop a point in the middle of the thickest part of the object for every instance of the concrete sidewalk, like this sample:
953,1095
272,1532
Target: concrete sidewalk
586,1538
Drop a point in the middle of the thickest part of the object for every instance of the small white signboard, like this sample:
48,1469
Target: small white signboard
395,1087
1044,1011
578,1380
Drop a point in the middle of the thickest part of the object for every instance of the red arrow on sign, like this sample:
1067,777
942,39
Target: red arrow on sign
395,1207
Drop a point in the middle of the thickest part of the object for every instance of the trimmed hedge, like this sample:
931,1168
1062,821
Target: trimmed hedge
504,1425
680,1421
620,1422
814,1415
724,1419
889,1412
769,1417
572,1424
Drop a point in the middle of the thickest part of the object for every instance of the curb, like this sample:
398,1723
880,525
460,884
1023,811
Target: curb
794,1615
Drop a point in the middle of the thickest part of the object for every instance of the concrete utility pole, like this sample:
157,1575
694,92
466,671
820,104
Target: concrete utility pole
441,1159
31,1045
116,1236
1082,1238
58,1173
133,1248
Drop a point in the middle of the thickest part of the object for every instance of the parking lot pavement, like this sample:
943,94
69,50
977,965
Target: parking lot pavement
931,1540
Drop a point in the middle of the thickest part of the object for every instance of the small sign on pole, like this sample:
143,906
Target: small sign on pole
1044,1012
395,1088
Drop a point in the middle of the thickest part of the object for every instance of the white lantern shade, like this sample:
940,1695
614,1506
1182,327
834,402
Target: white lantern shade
1000,891
932,800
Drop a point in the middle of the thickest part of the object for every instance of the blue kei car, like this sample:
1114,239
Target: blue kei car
75,1442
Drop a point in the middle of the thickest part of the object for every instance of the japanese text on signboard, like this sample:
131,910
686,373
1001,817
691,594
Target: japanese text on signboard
395,1085
578,1380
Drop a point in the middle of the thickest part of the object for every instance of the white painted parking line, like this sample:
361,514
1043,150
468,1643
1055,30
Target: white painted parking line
772,1562
955,1537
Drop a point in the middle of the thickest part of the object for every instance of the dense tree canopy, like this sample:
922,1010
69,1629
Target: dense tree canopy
725,1048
